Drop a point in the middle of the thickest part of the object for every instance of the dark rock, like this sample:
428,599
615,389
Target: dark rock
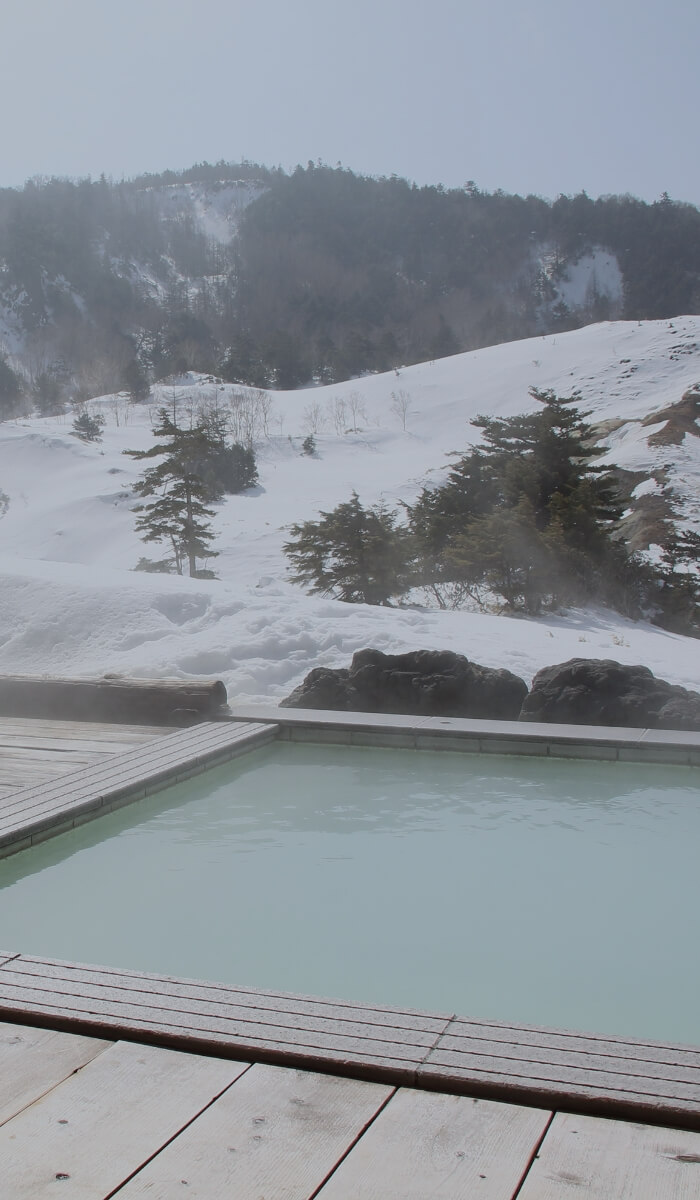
421,682
590,691
323,688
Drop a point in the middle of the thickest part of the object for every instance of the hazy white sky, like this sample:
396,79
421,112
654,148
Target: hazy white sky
547,97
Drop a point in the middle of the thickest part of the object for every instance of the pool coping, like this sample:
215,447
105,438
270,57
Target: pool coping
654,1082
31,815
34,814
617,1077
603,742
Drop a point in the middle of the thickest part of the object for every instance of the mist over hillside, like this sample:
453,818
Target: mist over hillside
313,277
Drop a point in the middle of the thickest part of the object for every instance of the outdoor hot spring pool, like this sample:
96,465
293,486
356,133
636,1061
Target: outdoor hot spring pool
555,892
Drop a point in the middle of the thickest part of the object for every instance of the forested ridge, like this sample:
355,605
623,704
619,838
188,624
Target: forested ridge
279,279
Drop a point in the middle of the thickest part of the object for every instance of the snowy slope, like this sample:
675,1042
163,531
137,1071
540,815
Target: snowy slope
70,602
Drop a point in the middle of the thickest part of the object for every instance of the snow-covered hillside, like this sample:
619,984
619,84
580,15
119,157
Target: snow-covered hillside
71,604
215,208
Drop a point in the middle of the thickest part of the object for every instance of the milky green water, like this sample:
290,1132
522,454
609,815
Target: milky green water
552,892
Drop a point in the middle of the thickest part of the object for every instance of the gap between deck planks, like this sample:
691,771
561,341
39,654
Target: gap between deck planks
626,1078
34,751
59,803
105,1118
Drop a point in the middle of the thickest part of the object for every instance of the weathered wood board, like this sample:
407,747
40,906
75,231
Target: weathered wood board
33,752
273,1027
613,1160
33,1061
103,1123
58,803
276,1133
655,1082
425,1144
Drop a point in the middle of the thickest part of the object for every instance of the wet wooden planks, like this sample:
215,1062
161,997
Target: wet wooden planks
653,1082
59,803
102,1118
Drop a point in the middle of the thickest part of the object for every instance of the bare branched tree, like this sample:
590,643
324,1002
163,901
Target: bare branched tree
401,406
356,408
339,414
314,418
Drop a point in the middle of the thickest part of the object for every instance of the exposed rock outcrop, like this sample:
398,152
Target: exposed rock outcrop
587,691
421,682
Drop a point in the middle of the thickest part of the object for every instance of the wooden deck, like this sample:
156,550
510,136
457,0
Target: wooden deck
652,1082
128,763
34,751
88,1119
114,1083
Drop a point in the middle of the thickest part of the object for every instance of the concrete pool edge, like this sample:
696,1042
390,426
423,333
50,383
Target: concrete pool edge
601,742
629,1079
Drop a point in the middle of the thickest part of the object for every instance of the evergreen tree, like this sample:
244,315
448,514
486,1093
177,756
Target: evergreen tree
528,514
135,381
10,391
88,427
357,554
177,515
506,554
47,394
224,469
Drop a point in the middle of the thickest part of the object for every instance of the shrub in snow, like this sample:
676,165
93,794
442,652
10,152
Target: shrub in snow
88,427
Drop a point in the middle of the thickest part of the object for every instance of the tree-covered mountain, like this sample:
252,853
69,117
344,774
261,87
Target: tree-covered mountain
278,279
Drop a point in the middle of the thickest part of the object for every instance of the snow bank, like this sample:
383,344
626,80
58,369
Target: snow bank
70,602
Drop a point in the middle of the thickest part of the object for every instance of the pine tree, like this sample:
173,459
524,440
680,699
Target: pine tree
528,514
88,426
224,469
177,515
10,391
135,381
357,554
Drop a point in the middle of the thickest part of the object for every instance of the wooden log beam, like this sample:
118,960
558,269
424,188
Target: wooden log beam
112,698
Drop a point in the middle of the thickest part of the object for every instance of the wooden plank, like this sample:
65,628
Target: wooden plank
244,1022
276,1133
613,1160
66,747
37,809
103,1123
32,1061
191,995
627,1077
344,1053
163,754
628,1100
638,1080
462,1031
445,1147
544,1061
67,731
26,768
